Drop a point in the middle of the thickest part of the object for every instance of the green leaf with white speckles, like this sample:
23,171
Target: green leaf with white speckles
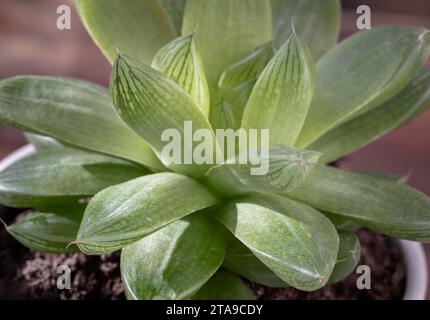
341,222
136,27
241,261
180,61
175,261
360,131
377,203
223,114
224,286
42,142
48,232
76,112
235,86
125,213
270,170
157,108
348,256
62,175
295,241
361,73
282,95
244,73
226,30
316,22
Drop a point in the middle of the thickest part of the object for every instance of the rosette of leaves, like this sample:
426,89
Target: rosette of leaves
98,182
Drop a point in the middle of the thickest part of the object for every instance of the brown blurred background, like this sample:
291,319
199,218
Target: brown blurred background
31,44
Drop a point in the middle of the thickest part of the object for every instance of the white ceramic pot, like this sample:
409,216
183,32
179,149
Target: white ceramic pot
19,154
416,270
413,252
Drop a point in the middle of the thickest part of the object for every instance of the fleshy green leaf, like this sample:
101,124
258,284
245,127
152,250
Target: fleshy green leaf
270,170
235,86
43,142
136,27
390,177
72,111
377,203
281,97
224,286
341,222
226,30
296,242
361,73
359,131
123,214
238,79
62,175
316,22
180,61
241,261
175,261
224,114
175,10
153,105
348,256
47,232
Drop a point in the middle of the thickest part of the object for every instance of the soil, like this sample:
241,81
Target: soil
29,275
33,275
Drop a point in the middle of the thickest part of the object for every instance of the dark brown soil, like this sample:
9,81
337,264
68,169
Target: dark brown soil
32,275
388,276
28,275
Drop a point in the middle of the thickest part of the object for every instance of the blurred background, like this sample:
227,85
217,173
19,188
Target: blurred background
31,44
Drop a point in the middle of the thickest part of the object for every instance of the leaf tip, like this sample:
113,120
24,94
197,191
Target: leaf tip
191,35
321,279
196,29
407,177
119,55
424,39
75,242
4,224
293,32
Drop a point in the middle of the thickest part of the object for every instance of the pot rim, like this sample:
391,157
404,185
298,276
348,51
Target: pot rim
416,270
413,252
17,155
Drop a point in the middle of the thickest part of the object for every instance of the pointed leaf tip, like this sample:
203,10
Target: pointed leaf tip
75,112
137,208
359,131
307,16
364,71
287,168
180,61
3,223
295,241
386,206
75,242
227,30
48,231
153,105
285,88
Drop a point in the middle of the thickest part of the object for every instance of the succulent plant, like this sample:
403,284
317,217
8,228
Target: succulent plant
98,182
